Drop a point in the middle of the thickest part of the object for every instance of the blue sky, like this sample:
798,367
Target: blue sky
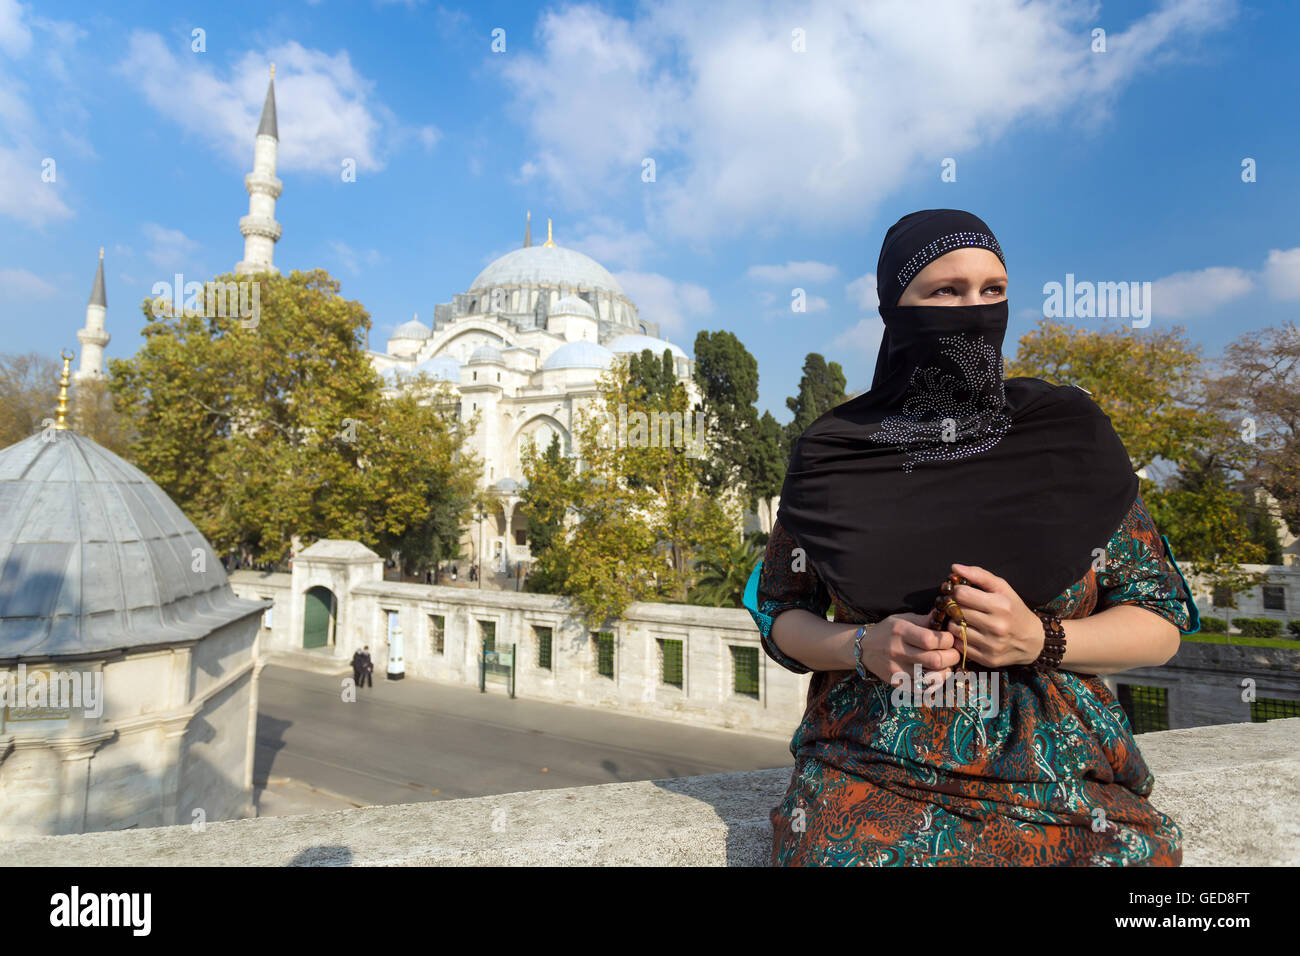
775,168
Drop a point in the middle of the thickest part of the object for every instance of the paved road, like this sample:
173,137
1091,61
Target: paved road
410,740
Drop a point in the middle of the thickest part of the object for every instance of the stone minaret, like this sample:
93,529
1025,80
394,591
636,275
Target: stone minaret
528,229
261,231
93,337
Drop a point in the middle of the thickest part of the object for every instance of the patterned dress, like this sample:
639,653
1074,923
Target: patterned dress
1052,777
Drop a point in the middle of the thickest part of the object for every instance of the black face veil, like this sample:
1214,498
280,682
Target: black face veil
944,461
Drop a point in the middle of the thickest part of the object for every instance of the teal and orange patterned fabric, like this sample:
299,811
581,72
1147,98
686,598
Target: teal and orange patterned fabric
1053,777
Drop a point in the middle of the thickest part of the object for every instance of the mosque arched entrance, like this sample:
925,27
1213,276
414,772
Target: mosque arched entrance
319,616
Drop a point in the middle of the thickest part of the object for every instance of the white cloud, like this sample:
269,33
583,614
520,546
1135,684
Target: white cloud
21,285
815,303
15,35
1187,294
25,156
793,272
664,300
862,291
750,136
607,241
861,339
169,248
1282,273
353,259
326,110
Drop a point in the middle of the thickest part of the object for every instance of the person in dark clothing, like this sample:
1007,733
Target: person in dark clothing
363,668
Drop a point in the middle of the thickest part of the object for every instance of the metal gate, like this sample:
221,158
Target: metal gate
496,664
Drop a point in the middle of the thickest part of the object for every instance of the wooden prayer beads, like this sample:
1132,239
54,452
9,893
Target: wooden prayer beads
945,607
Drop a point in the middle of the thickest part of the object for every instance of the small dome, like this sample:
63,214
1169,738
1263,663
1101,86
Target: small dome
415,329
638,343
509,486
579,355
442,367
487,353
95,556
391,376
572,305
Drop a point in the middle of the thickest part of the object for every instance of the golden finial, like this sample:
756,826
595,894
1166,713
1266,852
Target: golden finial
101,252
273,71
549,241
61,423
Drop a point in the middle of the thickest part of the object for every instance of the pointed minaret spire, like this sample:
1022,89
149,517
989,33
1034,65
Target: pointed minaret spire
528,229
260,230
549,241
268,127
93,338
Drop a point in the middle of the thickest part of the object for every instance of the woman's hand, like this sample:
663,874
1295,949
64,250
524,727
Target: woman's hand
1000,628
901,641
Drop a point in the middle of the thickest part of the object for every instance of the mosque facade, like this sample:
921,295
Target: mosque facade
523,347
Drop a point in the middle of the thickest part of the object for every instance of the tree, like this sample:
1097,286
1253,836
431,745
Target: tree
549,488
1148,381
820,389
29,395
722,580
727,375
95,415
267,431
636,519
1259,390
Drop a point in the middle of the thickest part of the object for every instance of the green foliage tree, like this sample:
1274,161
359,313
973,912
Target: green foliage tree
636,519
545,500
269,430
722,580
821,388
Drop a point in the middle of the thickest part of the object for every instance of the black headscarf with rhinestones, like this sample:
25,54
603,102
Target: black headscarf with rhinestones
944,461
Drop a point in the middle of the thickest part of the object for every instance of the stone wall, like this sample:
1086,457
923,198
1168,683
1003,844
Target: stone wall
1211,683
1234,790
707,694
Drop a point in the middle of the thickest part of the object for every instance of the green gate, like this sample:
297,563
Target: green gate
317,617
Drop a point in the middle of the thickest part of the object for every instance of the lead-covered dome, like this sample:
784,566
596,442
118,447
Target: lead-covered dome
579,355
546,266
94,556
487,353
415,329
442,367
572,305
636,343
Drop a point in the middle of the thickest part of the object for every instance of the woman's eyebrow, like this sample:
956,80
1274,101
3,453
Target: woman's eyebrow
949,280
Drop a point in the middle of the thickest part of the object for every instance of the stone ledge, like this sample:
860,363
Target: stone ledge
1232,788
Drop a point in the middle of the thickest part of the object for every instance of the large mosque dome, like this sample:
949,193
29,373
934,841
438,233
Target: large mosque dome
547,266
94,556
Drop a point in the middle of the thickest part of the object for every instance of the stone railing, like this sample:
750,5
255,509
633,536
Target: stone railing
1234,789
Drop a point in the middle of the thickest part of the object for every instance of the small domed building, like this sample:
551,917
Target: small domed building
127,663
524,347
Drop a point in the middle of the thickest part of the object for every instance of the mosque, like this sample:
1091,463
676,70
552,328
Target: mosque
523,346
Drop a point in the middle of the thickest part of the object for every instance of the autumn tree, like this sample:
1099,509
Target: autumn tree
637,520
29,395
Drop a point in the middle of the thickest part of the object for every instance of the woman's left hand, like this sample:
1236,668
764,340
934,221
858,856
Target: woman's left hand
1001,630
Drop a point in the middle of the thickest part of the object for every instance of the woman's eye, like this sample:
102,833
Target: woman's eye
946,288
994,289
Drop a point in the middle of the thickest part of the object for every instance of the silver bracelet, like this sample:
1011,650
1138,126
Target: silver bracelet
857,650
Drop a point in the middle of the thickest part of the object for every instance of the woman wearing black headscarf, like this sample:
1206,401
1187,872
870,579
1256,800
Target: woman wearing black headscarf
1021,491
